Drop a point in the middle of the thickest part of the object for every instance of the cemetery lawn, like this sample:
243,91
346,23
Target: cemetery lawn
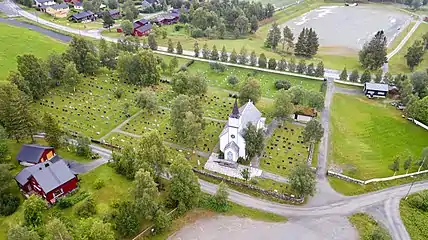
397,64
414,219
367,135
365,226
267,80
284,150
17,41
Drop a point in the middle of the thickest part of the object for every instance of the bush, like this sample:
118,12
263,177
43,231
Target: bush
218,67
87,208
8,204
98,184
197,33
118,93
221,155
232,80
419,201
254,181
65,202
178,27
183,69
282,84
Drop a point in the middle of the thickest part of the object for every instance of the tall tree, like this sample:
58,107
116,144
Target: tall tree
189,84
108,21
373,54
298,95
184,189
196,48
56,65
407,164
414,54
94,228
272,63
83,53
366,76
223,56
221,196
406,92
253,141
301,67
344,75
170,46
315,100
34,72
146,99
262,61
243,56
56,230
181,105
395,166
287,39
205,51
108,54
319,71
378,76
302,180
312,43
126,27
152,41
33,211
283,105
162,220
214,54
253,58
241,25
250,91
282,65
354,76
52,130
313,131
254,24
71,76
139,69
126,219
15,113
302,44
112,4
292,65
420,83
233,57
274,37
310,70
179,48
146,194
4,147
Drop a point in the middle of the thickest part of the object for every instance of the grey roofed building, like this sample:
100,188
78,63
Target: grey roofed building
247,113
377,86
31,153
49,175
83,15
59,6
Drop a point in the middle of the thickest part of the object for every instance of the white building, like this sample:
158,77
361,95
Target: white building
44,3
232,143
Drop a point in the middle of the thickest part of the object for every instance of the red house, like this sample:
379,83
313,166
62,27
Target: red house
31,154
50,180
142,30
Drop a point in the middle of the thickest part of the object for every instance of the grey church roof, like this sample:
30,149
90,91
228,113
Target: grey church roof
31,153
249,114
377,86
49,175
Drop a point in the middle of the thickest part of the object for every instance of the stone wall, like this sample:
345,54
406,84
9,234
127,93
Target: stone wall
285,197
344,177
361,182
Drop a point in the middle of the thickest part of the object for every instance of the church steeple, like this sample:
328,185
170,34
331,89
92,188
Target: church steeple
235,111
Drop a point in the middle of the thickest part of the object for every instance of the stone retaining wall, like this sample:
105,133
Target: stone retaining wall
252,187
361,182
344,177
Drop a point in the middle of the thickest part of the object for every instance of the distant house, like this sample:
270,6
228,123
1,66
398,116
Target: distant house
78,6
58,10
375,90
50,180
31,154
114,13
166,19
142,30
44,3
85,16
145,5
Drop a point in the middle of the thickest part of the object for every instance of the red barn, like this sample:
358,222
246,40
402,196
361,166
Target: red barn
32,154
50,180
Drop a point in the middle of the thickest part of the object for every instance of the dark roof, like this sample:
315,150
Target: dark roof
113,11
59,6
43,1
235,111
145,28
141,22
49,175
31,153
82,15
78,4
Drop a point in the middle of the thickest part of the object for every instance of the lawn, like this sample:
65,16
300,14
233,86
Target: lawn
367,135
17,41
365,226
397,64
113,33
92,110
284,150
414,219
267,80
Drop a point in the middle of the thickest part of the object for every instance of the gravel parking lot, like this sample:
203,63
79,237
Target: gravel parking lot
222,227
348,28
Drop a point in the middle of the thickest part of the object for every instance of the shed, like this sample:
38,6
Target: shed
375,89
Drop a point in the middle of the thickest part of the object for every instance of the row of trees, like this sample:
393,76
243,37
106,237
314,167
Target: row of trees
306,45
407,164
225,18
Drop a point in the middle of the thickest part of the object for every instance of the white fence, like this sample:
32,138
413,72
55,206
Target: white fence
420,124
362,182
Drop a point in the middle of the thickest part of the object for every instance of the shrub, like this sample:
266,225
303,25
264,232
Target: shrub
65,202
419,201
183,69
254,181
87,209
98,184
197,33
282,84
8,204
232,80
218,67
221,155
118,93
178,27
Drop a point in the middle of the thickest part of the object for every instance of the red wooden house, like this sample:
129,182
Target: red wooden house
142,30
32,154
50,180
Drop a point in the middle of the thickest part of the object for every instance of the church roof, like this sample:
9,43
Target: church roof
235,111
249,114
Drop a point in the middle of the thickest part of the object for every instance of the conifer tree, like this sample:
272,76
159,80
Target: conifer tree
262,61
205,51
301,45
319,71
253,58
292,65
224,57
313,44
301,67
214,53
287,39
179,48
366,76
196,48
243,56
170,46
233,57
343,75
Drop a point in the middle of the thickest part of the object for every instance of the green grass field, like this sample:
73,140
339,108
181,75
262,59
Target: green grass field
365,226
284,150
367,135
30,42
414,219
397,64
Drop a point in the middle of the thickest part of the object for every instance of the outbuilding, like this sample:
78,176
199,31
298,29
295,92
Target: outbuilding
372,90
85,16
50,180
142,30
31,154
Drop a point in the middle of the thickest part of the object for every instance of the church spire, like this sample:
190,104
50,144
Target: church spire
235,111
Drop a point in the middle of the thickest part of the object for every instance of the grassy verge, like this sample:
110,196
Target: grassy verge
64,21
341,85
400,37
368,135
112,33
397,64
366,225
414,219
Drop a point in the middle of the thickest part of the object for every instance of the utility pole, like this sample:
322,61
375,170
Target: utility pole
410,188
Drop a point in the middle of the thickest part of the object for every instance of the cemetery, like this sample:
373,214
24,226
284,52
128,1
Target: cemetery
284,150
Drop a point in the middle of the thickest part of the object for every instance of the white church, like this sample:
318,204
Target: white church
232,143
